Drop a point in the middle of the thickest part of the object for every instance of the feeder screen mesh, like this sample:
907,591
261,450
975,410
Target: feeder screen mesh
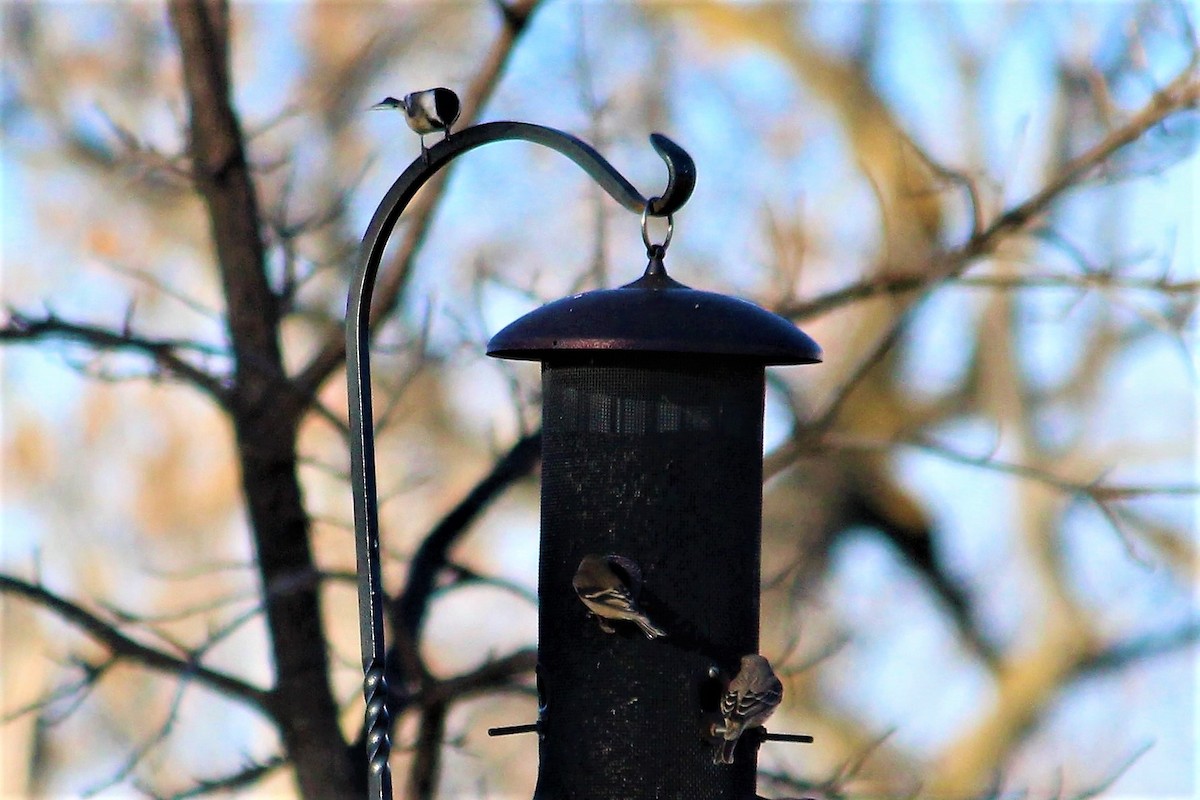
658,460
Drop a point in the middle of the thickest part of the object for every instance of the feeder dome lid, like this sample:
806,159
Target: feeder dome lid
655,314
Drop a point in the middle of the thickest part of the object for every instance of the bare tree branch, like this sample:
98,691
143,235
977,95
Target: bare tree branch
487,677
432,556
1180,93
890,284
76,691
833,787
1094,490
131,650
135,756
435,701
408,611
248,775
427,753
167,354
1123,654
1101,787
464,575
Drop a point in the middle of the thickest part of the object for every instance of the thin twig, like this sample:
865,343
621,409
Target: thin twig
1104,785
892,285
77,691
139,752
427,752
249,775
128,649
1180,93
167,353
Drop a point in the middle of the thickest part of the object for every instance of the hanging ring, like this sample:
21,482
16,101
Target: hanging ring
646,231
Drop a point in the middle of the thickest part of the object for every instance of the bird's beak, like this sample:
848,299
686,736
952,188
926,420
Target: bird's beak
380,107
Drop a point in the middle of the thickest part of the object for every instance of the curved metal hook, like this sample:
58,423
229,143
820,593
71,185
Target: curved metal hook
681,176
681,179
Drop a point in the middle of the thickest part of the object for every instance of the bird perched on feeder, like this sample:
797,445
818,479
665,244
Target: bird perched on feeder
752,696
425,112
608,586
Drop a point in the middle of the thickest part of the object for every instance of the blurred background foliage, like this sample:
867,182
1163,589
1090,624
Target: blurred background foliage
980,525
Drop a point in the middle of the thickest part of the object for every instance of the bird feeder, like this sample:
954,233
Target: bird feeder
653,398
652,435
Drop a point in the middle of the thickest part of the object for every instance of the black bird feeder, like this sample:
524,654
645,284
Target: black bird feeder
652,442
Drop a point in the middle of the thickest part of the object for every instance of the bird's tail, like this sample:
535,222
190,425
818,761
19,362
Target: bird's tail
649,628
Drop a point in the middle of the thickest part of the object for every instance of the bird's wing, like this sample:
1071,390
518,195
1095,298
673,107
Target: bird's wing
612,597
751,703
729,704
447,105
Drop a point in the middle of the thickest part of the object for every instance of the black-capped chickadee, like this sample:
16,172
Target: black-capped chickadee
426,111
753,695
608,586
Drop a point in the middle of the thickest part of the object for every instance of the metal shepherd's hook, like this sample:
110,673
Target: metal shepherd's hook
681,172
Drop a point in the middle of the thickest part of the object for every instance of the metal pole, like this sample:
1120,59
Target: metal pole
681,173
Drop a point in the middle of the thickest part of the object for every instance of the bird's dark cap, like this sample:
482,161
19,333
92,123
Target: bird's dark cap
654,314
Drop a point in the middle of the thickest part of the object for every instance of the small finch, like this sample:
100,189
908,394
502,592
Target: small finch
753,695
608,586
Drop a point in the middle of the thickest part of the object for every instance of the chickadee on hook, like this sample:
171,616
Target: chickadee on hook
425,112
